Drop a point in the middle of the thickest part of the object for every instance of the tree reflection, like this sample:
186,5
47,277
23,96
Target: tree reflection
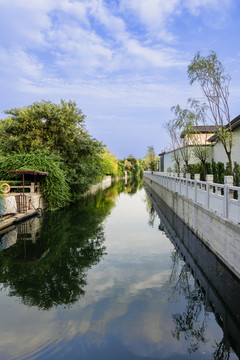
133,185
191,323
151,211
52,271
222,350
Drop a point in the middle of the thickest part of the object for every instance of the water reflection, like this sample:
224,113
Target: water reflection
208,287
138,298
45,260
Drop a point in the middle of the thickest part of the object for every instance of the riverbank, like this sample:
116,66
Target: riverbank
218,233
10,220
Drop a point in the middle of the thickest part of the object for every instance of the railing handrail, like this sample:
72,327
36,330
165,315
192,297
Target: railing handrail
215,197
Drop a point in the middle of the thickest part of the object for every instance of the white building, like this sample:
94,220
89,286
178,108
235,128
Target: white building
207,136
218,153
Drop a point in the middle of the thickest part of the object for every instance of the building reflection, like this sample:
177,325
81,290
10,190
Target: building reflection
214,289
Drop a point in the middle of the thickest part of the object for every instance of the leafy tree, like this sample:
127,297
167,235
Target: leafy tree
151,158
111,165
209,73
55,129
42,126
133,166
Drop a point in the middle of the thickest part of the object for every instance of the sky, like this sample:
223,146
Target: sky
124,62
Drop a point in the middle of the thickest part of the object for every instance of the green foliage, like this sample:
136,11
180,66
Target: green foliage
41,126
57,131
1,203
236,174
218,170
198,169
151,159
134,166
111,165
55,187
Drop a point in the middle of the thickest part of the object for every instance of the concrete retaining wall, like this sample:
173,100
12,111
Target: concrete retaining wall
219,234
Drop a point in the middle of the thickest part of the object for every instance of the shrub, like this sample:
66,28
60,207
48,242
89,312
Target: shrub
55,187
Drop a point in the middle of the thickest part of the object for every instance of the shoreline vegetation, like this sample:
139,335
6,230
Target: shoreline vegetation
53,138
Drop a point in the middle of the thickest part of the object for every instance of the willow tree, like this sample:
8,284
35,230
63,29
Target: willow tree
210,74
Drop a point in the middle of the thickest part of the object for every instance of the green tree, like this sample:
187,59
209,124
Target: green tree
210,74
111,165
151,158
55,129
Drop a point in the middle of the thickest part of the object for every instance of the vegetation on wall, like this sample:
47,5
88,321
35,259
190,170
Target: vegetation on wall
55,187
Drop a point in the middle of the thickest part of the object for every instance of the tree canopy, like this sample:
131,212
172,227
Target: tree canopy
53,130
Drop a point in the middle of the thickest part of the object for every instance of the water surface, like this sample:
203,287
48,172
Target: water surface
103,279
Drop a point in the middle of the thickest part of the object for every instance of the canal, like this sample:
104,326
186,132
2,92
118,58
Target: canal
116,276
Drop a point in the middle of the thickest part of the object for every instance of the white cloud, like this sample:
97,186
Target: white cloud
16,64
154,15
195,6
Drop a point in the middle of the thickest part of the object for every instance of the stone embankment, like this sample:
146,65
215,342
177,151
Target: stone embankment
212,214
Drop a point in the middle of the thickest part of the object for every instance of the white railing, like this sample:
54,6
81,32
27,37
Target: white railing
223,199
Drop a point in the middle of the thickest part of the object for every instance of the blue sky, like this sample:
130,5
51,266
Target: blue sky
124,62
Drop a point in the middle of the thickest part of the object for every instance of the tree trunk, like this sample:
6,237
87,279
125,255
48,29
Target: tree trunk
204,170
229,155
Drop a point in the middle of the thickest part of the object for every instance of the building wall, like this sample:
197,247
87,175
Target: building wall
200,139
219,154
169,161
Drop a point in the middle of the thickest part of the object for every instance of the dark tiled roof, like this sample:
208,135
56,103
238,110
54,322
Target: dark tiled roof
202,129
206,128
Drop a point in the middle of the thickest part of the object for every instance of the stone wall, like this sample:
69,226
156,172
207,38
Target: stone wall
220,235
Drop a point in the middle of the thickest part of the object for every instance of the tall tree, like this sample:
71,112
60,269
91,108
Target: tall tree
151,158
55,129
210,74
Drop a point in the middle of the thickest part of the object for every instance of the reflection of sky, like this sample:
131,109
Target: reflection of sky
125,313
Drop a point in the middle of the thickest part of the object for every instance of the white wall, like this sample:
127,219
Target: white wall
169,161
219,153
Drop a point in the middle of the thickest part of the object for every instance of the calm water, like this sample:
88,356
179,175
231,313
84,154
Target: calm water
106,279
